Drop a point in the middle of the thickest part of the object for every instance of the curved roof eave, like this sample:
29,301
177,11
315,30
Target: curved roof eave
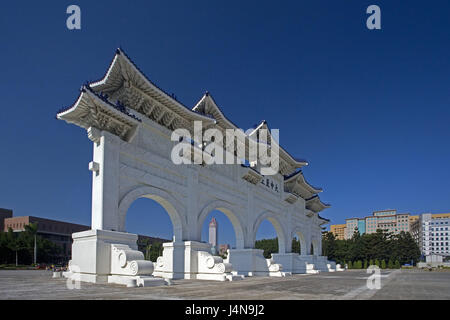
207,95
86,90
316,200
299,174
121,54
298,163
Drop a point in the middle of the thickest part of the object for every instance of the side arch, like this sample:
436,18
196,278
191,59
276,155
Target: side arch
230,212
173,207
302,238
274,220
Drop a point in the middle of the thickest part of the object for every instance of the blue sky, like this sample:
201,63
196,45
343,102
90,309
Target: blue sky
368,109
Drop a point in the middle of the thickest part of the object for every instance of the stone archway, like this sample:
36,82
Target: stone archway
131,123
165,199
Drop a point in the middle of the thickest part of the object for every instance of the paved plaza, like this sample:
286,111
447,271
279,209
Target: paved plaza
348,285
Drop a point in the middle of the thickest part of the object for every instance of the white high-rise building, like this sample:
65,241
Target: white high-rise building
431,232
213,226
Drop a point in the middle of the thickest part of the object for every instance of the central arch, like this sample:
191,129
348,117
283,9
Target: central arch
227,209
172,206
273,219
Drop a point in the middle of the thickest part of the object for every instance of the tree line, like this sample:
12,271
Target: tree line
271,246
387,250
18,247
150,250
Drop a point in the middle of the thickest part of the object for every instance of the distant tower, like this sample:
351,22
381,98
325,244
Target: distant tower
213,227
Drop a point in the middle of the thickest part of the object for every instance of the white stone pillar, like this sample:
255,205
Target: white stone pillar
249,242
105,180
193,230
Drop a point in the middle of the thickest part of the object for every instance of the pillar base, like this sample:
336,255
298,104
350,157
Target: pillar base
85,277
297,264
136,281
192,260
251,262
98,257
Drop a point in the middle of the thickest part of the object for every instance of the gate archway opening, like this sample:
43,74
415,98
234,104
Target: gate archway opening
147,217
268,226
267,239
230,216
163,199
153,225
299,243
225,236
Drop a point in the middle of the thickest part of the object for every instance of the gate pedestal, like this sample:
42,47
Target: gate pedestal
296,263
192,260
251,262
102,256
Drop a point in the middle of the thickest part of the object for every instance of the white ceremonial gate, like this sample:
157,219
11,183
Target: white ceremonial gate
130,122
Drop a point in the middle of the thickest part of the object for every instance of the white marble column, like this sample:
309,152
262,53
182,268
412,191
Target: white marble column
105,180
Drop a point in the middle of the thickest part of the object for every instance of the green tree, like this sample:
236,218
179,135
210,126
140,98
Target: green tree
296,246
30,239
404,248
397,264
329,245
365,264
156,251
14,243
48,251
383,264
390,264
342,252
268,245
350,265
377,263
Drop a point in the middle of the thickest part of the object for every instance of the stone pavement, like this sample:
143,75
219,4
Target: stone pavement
351,284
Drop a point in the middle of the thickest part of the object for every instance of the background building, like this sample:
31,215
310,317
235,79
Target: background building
58,232
388,220
338,230
4,213
431,232
213,227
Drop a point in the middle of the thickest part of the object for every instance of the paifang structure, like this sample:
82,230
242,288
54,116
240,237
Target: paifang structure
130,121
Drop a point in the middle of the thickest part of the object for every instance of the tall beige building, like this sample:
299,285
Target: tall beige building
338,230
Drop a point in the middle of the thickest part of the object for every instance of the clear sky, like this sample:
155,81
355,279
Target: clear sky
369,110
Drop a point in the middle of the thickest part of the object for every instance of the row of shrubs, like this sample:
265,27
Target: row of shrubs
382,264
